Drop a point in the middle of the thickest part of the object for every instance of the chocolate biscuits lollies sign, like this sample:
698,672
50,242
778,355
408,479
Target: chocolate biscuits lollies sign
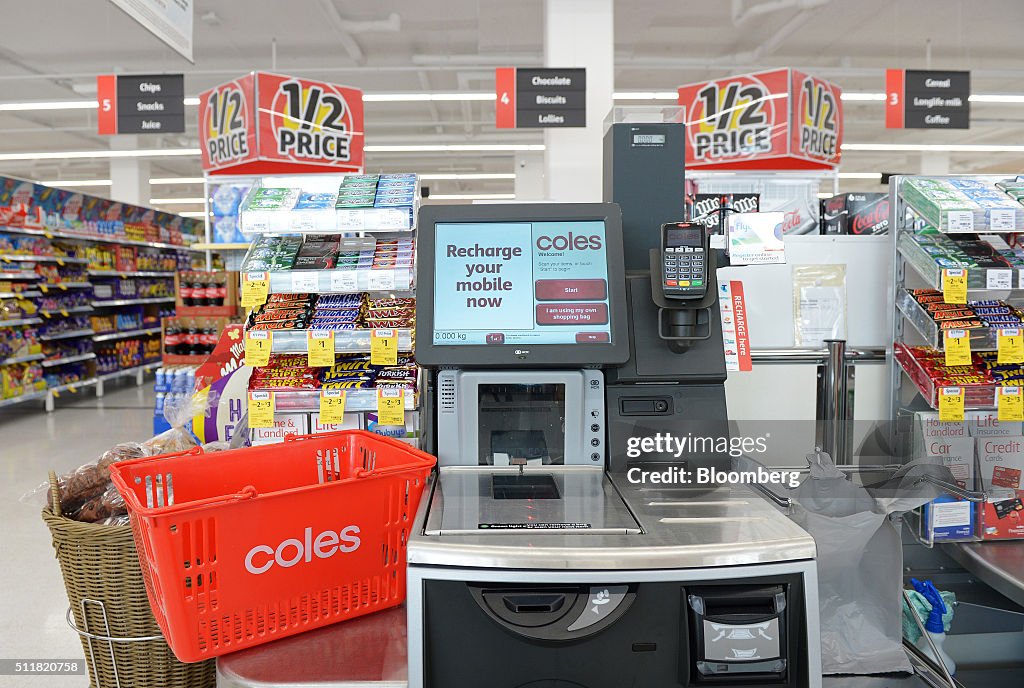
268,123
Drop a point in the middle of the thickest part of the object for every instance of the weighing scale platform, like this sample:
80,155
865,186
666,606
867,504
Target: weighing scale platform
603,521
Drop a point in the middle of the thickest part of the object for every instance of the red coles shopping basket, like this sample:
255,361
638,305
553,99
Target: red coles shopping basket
245,546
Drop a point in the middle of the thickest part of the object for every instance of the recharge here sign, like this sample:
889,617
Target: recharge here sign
782,119
268,123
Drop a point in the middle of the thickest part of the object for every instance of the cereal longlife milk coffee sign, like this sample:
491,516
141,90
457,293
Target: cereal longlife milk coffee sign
267,123
777,120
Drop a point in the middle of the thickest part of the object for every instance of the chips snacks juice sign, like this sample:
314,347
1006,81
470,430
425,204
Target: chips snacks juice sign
268,123
777,120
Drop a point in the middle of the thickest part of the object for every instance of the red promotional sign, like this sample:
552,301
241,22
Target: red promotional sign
775,120
226,124
895,90
739,309
505,91
106,98
268,123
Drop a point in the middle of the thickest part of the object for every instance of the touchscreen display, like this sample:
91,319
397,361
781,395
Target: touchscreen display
511,283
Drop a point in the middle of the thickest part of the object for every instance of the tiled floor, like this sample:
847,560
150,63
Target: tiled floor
32,597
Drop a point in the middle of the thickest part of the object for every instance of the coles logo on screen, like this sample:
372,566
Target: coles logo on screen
569,241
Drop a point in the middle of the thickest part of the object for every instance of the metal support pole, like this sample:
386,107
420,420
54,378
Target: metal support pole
835,404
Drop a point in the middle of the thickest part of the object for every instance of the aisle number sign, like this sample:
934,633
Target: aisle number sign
140,104
1009,404
1010,346
258,344
320,348
332,406
261,409
255,289
268,123
390,406
954,285
957,344
384,347
951,404
927,99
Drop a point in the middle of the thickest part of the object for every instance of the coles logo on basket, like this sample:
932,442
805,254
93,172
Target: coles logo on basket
292,551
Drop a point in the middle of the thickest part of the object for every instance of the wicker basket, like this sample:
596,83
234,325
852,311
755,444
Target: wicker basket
109,608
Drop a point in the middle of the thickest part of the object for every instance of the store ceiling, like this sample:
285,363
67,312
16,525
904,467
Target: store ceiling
52,50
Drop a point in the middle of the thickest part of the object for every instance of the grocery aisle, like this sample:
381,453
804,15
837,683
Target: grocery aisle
33,604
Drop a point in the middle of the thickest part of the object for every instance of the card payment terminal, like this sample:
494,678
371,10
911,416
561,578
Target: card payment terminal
684,250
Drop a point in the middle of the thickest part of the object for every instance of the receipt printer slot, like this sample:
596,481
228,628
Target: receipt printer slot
645,406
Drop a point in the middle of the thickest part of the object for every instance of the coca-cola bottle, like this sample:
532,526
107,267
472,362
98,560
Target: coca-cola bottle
199,293
185,287
172,338
209,339
221,291
191,342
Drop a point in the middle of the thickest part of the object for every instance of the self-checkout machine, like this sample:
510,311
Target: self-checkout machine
540,557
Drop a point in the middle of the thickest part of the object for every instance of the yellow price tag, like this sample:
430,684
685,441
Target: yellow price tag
951,404
332,406
72,389
261,409
63,287
390,406
958,347
258,344
64,312
1010,345
60,262
954,285
45,314
43,288
255,288
384,347
1009,404
320,348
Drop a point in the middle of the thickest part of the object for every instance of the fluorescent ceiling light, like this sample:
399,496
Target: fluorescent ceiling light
177,180
468,175
824,195
861,96
192,213
420,97
49,105
925,147
861,175
79,155
473,197
78,182
191,100
176,201
646,95
995,98
454,147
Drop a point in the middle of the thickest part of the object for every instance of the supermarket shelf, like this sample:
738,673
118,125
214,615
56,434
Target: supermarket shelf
21,321
219,247
978,279
68,359
130,302
62,286
330,221
22,359
345,341
993,219
356,400
75,236
25,275
977,397
20,294
133,273
982,338
31,396
66,311
71,334
342,281
122,335
73,386
124,372
13,257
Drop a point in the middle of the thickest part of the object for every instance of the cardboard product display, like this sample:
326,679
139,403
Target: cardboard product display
781,119
226,281
191,332
855,213
265,123
1000,466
